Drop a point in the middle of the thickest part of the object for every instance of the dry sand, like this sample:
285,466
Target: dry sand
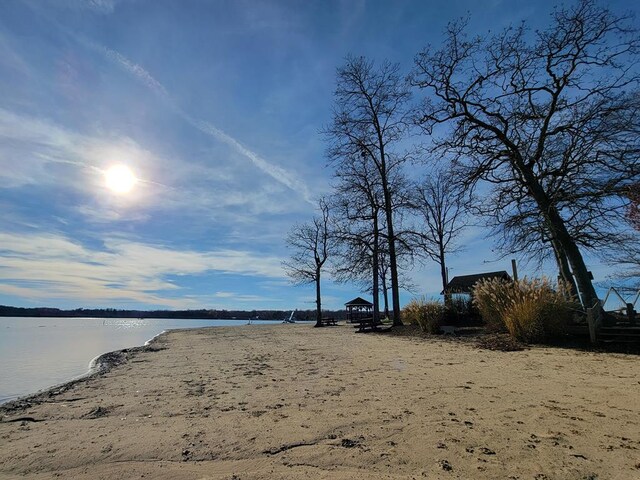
290,401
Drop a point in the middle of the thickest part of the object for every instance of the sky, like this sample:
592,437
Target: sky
216,108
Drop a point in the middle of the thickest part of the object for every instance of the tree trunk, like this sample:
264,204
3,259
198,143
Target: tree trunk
586,291
318,301
443,274
376,269
559,233
393,264
563,268
385,294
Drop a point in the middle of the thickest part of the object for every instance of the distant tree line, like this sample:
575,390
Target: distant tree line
533,134
8,311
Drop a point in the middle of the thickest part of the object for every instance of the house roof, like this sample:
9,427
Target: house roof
358,302
465,283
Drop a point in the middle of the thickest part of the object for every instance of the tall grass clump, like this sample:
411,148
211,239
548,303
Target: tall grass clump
492,298
532,311
428,315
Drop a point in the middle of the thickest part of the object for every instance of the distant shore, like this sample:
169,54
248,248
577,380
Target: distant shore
265,402
199,314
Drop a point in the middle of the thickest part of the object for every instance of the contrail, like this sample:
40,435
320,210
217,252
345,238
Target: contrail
274,171
280,174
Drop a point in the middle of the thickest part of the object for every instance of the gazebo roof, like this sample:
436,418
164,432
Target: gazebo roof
358,302
465,283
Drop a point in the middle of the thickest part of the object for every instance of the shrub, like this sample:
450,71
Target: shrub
428,315
530,310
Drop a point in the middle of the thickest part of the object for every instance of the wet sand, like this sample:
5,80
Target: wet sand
290,401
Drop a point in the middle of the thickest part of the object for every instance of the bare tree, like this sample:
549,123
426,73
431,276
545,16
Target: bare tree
358,203
519,229
369,118
551,124
633,211
358,234
592,208
439,206
628,266
311,248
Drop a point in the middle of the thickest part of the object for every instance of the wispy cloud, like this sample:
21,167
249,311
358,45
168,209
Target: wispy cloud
10,58
242,297
97,6
16,131
32,145
42,153
50,266
281,175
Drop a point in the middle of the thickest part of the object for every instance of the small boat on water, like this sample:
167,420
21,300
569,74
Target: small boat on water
291,319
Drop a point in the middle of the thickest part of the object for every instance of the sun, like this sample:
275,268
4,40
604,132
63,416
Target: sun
120,179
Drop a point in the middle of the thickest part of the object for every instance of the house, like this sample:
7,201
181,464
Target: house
463,284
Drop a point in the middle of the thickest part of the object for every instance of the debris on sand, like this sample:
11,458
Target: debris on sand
97,412
500,341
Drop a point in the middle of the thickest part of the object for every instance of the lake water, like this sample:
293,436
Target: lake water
36,353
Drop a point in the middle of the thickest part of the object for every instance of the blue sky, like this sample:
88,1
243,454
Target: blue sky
216,108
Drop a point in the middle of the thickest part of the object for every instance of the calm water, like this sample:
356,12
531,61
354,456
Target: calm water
36,353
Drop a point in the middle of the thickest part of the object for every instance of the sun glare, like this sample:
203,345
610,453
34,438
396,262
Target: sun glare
120,179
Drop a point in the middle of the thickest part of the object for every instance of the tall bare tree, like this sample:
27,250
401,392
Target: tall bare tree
439,206
369,118
311,245
550,123
356,229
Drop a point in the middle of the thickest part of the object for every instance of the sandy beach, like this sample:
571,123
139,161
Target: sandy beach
290,401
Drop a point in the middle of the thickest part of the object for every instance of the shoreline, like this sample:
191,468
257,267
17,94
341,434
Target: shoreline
298,402
98,366
45,387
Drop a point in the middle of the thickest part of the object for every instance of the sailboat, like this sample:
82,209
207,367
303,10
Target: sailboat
290,319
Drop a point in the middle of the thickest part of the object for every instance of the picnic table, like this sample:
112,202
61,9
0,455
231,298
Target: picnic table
329,321
366,323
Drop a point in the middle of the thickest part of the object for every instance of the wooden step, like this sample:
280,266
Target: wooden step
620,334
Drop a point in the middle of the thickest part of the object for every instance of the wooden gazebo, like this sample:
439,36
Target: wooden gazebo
357,309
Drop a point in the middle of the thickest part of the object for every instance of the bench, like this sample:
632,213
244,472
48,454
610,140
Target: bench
330,321
363,324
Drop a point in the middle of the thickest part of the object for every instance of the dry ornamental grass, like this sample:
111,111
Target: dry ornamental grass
530,310
428,315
